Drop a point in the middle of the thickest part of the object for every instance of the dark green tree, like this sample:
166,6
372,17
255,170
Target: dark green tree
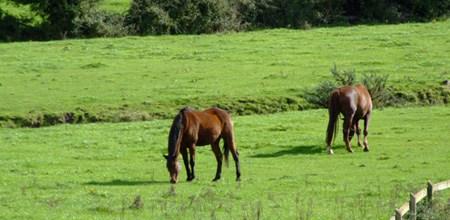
58,15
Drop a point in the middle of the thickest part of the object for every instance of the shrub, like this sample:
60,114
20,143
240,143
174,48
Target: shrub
59,16
376,85
343,78
145,17
439,209
10,26
318,95
70,18
182,17
297,13
92,22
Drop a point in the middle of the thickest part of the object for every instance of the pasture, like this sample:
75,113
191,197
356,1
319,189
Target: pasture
94,171
134,78
115,5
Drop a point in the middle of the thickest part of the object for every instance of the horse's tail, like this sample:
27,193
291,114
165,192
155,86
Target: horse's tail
228,141
226,147
333,111
176,133
226,153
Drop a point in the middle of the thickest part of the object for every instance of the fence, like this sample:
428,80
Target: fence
411,206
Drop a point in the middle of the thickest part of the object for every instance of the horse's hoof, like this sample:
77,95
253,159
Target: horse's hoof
330,151
350,150
366,149
216,179
238,179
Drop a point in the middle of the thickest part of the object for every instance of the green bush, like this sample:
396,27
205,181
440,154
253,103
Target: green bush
92,22
376,85
182,16
70,18
13,28
301,13
297,13
318,96
59,16
343,78
145,17
439,209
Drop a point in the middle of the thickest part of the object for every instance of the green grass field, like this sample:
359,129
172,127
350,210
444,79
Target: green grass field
94,171
158,75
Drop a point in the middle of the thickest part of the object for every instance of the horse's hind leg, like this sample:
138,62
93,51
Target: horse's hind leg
346,130
229,143
352,130
218,154
366,132
331,129
358,133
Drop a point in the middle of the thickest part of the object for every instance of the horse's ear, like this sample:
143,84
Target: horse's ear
165,156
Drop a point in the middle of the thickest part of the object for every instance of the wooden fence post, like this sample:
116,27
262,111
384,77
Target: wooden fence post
412,207
429,194
398,215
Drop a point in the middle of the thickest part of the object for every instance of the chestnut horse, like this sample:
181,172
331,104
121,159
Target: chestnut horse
192,128
355,103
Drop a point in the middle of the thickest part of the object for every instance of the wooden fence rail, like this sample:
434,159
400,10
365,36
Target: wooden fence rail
411,206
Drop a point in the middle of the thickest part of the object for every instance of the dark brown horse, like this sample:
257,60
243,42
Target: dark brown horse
355,103
198,128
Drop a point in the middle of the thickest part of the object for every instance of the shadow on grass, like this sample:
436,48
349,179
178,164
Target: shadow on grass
118,182
297,150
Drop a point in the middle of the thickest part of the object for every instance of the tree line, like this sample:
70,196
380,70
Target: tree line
83,18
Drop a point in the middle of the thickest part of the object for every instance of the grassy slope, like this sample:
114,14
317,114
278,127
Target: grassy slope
160,74
115,5
94,171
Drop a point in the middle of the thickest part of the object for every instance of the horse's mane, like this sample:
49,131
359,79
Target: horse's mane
176,133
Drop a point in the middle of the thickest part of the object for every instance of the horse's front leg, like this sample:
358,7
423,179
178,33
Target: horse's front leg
192,161
186,162
218,154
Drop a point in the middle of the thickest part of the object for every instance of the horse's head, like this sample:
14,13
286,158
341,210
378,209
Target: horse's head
173,166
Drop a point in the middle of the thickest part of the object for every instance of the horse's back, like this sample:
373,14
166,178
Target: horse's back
206,126
364,99
214,115
354,99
